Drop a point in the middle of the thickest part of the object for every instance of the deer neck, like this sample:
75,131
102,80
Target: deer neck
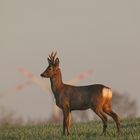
56,82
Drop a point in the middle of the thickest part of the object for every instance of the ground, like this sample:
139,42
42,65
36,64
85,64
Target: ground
130,130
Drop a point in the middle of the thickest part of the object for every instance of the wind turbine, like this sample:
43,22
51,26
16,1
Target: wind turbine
46,89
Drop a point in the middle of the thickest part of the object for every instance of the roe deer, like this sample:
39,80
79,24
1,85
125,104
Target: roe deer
96,97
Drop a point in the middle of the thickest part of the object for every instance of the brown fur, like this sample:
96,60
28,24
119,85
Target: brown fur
70,97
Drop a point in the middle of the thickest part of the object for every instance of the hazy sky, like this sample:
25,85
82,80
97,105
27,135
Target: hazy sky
99,35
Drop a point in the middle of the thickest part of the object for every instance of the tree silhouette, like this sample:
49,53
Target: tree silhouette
124,105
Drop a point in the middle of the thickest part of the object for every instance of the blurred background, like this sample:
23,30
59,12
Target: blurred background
96,42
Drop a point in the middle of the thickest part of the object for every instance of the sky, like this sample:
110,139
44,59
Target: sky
102,36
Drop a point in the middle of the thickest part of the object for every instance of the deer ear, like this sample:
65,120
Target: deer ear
49,61
57,62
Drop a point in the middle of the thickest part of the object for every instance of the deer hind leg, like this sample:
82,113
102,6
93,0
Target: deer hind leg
107,109
103,117
105,121
66,122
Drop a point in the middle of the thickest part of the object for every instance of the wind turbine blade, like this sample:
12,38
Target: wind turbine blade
16,89
80,77
35,79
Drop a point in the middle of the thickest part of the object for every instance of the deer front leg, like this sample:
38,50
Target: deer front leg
66,122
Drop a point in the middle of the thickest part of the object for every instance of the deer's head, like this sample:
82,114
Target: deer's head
53,67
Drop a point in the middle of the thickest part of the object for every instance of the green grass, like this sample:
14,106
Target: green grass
130,130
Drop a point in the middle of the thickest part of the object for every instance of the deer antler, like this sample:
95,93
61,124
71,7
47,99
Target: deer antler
52,57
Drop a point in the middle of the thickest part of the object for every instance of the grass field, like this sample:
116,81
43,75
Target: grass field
130,130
